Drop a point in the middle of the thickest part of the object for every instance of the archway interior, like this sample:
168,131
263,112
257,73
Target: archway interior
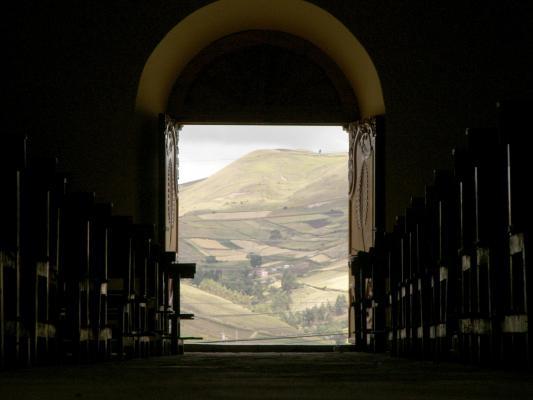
295,17
187,73
262,77
263,212
269,232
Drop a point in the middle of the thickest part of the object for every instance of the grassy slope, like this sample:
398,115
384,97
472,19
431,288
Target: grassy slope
216,317
289,191
264,178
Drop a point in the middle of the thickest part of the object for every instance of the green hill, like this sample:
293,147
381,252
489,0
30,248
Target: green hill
287,211
266,179
219,319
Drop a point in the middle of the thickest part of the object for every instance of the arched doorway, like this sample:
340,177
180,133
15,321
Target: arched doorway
185,45
224,17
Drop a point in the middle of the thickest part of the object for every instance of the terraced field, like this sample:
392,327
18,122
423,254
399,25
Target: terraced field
218,319
271,212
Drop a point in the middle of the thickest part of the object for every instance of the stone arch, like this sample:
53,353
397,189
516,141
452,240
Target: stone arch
225,17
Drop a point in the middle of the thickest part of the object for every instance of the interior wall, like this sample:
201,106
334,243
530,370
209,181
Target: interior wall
73,72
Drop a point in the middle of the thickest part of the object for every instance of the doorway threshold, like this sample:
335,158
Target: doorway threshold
254,348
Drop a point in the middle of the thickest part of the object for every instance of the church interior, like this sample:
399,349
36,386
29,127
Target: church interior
435,102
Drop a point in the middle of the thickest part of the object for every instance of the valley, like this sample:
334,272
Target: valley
269,236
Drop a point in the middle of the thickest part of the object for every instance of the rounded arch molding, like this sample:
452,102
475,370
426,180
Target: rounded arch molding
226,17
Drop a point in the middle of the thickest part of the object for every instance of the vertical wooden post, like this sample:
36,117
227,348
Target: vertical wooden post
2,318
175,334
169,135
366,195
17,272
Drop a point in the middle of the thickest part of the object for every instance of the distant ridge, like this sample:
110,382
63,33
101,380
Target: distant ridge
187,184
266,179
288,211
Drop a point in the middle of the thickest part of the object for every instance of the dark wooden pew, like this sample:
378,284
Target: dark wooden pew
432,274
41,196
75,328
361,270
445,273
165,301
120,293
101,332
377,336
418,284
385,248
489,236
13,164
395,277
76,283
176,272
466,263
154,298
142,241
168,330
395,272
515,130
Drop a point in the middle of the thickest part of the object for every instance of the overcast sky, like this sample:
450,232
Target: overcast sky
205,149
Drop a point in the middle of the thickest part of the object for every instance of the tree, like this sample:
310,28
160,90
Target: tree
341,305
308,317
210,259
281,302
249,285
255,259
288,281
322,312
275,235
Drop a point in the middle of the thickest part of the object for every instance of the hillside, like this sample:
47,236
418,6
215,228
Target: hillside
267,179
219,319
270,216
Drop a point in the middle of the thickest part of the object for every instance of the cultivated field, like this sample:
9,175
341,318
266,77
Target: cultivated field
270,216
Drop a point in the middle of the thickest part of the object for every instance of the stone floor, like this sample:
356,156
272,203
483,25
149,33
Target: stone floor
266,376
